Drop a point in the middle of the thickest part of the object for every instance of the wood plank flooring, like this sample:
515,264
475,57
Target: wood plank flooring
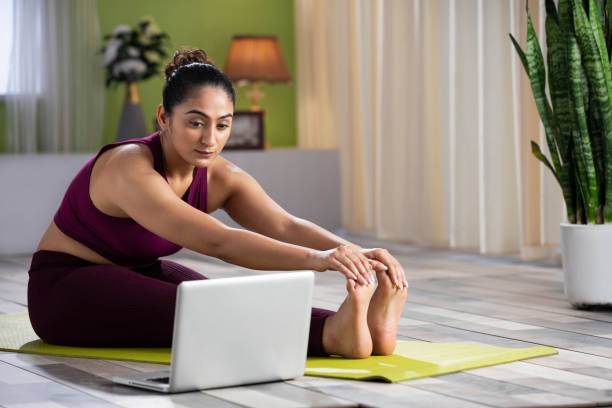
453,297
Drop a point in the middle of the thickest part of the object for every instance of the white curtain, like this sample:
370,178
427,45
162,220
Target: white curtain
55,97
432,115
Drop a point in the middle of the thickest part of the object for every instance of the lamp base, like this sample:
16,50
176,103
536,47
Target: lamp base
255,95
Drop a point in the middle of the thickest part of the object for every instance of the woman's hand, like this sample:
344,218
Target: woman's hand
348,260
378,257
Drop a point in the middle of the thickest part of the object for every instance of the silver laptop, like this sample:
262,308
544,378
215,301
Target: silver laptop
235,331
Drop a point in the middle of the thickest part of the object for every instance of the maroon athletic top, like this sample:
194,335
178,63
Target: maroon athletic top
120,240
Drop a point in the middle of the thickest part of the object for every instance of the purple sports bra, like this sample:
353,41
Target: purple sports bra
120,240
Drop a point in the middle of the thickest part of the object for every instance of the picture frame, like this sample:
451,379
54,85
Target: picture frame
247,131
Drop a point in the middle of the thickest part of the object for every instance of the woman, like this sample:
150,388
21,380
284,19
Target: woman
96,280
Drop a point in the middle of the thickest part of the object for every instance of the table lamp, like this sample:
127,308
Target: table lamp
254,59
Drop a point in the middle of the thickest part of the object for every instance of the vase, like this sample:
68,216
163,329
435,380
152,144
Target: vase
587,264
132,124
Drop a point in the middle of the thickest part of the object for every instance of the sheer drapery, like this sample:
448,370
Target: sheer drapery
432,114
55,98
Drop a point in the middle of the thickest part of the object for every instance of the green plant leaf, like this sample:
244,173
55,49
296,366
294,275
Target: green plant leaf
598,34
568,178
558,83
584,158
607,26
520,52
566,23
533,63
537,78
535,150
601,10
592,62
596,139
579,211
559,87
551,10
565,16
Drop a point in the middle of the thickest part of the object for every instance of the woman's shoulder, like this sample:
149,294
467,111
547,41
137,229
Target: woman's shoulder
125,161
224,171
226,180
126,156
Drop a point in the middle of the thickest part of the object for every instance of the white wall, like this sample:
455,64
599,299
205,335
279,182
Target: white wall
304,182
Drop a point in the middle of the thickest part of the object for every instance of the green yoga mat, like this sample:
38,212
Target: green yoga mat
410,360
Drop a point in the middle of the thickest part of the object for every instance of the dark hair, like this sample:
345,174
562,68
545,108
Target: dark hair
188,71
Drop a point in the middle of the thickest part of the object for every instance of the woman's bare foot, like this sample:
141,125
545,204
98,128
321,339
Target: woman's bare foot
346,333
384,313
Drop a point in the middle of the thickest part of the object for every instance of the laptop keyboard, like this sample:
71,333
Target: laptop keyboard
165,380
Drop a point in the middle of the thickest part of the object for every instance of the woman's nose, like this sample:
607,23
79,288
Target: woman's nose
208,135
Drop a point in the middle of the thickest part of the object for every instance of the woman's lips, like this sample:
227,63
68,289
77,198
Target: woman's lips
204,153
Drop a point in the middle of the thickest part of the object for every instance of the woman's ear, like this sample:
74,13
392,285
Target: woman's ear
162,118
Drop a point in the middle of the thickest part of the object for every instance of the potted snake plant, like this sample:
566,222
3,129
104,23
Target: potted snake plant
578,126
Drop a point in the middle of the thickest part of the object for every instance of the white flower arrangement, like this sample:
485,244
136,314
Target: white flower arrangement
134,54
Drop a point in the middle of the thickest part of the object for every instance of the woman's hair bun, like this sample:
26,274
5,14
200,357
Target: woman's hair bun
188,71
185,57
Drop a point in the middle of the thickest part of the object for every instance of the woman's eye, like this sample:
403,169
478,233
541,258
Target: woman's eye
196,124
222,126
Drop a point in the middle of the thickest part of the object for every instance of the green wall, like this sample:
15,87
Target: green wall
210,25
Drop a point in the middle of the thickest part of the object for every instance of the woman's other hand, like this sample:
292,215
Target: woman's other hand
348,260
381,259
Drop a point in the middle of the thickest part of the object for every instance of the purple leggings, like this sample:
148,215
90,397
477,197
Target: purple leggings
74,302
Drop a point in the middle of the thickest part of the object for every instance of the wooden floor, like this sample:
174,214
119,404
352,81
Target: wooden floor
453,297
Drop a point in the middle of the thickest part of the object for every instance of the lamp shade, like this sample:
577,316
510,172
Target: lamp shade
256,58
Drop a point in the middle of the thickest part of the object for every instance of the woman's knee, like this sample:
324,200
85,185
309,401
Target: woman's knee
177,273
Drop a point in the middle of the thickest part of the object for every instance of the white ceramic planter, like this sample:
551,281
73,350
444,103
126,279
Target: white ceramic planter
587,263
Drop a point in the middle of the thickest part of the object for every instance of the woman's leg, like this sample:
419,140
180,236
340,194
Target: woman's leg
315,338
74,302
170,271
173,272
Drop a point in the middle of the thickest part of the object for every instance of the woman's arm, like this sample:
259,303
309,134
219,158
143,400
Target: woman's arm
250,206
135,187
306,233
299,231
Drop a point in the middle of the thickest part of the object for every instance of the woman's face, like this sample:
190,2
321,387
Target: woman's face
199,127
